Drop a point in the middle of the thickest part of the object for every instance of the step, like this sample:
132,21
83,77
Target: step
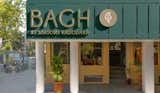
121,81
117,68
117,77
117,72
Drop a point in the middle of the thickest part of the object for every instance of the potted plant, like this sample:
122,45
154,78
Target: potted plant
57,73
87,50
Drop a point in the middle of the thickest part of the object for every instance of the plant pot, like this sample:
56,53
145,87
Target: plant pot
140,82
58,87
129,81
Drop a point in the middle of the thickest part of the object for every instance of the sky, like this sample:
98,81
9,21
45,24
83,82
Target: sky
23,27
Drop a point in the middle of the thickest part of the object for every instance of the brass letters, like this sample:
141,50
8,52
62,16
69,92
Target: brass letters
61,15
83,18
36,14
38,21
50,16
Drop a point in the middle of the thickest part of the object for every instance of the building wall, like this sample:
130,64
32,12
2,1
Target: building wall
83,70
137,19
49,55
97,69
157,67
134,70
101,70
48,78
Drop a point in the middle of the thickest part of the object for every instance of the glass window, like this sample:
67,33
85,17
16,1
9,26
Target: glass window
115,46
91,53
138,54
64,48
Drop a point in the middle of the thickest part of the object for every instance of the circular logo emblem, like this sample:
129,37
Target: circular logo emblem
108,17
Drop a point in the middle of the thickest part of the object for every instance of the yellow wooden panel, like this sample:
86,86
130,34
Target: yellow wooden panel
157,67
49,54
66,74
130,57
49,78
99,70
96,69
105,54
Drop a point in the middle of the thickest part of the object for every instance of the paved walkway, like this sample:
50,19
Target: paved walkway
157,89
22,82
2,74
112,88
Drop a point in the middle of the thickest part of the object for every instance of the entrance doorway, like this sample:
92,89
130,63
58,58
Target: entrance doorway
117,54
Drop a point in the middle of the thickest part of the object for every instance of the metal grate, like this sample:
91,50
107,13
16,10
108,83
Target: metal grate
93,78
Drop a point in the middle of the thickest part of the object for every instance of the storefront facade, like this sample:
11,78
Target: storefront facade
96,36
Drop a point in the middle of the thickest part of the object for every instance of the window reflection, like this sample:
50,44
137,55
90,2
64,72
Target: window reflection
63,48
91,53
138,54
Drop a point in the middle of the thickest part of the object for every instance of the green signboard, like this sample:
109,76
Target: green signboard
93,19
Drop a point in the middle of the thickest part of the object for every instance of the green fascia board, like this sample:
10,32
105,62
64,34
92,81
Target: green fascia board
93,1
137,19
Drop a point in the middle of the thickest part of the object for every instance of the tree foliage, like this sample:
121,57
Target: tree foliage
10,21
